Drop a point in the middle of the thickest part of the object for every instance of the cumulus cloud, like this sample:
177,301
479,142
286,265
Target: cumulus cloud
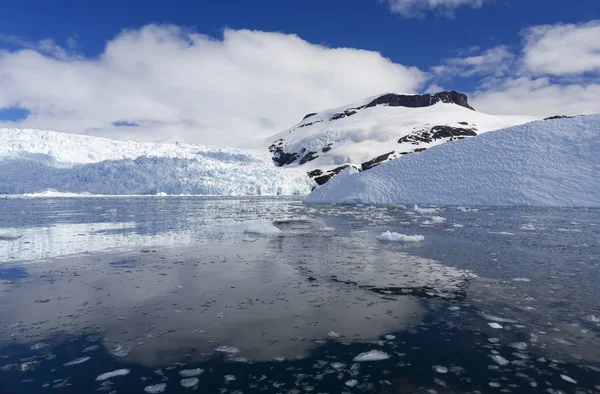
556,71
538,97
563,49
418,8
166,82
494,61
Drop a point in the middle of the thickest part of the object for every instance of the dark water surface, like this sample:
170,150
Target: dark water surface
177,296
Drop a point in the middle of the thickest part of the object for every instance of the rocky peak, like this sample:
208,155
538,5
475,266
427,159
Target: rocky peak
421,100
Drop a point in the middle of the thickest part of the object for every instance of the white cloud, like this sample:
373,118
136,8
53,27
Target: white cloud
563,49
418,8
494,61
190,87
538,97
557,71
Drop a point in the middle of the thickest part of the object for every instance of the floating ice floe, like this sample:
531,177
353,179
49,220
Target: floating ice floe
351,383
39,345
440,369
568,379
495,326
112,374
80,360
190,383
188,373
396,237
424,211
521,280
498,359
333,334
262,228
155,388
373,355
121,351
227,349
528,227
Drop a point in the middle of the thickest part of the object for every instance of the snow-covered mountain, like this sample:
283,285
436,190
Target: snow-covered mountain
552,162
378,129
32,161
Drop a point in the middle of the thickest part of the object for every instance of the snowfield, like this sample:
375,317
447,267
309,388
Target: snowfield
34,161
544,163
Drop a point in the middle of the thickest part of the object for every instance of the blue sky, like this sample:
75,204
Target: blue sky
481,47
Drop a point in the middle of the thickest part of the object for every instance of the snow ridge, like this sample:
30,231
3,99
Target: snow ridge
544,163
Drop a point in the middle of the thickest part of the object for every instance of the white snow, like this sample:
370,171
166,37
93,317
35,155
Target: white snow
34,161
397,237
373,355
262,228
115,373
544,163
374,131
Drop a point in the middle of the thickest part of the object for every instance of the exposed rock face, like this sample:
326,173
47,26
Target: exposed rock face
422,100
437,133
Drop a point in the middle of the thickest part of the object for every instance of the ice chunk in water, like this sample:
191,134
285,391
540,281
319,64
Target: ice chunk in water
396,237
373,355
227,349
528,227
39,345
424,211
495,326
229,378
156,388
112,374
121,351
80,360
499,359
262,228
190,383
333,334
519,345
188,373
440,369
568,379
351,383
521,280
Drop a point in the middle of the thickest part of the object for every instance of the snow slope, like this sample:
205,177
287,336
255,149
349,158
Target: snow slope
544,163
357,134
32,161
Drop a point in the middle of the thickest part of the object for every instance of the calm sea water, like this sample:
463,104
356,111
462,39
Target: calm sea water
176,296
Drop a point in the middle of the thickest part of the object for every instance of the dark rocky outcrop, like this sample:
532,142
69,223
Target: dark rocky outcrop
421,100
326,148
559,117
310,156
309,115
321,180
436,133
376,161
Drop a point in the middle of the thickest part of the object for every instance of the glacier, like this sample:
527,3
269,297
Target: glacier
35,161
551,163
